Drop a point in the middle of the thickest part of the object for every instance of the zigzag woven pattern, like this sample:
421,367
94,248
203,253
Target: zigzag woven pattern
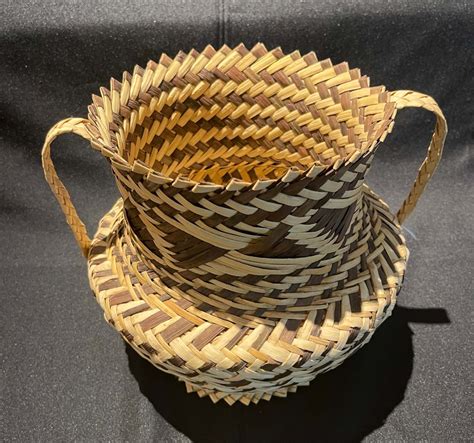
246,254
247,358
239,114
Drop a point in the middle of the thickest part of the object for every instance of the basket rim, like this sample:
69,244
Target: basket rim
147,173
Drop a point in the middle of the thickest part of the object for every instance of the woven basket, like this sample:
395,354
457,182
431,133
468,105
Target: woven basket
246,254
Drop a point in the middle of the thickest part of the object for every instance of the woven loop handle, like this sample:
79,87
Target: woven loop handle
76,126
412,99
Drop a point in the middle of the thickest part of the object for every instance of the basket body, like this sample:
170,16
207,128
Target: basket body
248,345
246,254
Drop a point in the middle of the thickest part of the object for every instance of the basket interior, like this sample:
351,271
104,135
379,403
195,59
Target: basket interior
235,113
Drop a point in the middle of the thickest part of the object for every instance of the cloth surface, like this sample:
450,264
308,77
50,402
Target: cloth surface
66,375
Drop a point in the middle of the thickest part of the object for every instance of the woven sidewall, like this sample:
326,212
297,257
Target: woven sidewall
252,355
251,252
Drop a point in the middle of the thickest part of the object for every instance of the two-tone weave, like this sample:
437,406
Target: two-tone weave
246,254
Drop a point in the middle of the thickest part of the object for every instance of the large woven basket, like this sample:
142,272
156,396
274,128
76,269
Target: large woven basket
246,254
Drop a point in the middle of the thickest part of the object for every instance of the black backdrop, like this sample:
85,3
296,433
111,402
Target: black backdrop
66,375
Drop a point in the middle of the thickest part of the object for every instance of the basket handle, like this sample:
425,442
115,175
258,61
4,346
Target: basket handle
76,126
412,99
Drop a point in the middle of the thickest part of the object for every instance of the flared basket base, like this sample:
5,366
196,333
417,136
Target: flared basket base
246,359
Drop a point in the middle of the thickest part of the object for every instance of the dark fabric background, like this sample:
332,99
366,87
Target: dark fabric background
65,375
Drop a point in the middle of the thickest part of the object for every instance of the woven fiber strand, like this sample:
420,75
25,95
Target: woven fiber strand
246,254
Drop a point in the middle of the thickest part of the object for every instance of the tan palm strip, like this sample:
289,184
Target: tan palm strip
412,99
76,126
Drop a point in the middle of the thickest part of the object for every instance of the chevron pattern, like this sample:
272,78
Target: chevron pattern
255,352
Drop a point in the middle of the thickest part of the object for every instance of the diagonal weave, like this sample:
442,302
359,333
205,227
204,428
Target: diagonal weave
246,254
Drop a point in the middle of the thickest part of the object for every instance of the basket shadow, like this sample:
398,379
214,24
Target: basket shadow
360,394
